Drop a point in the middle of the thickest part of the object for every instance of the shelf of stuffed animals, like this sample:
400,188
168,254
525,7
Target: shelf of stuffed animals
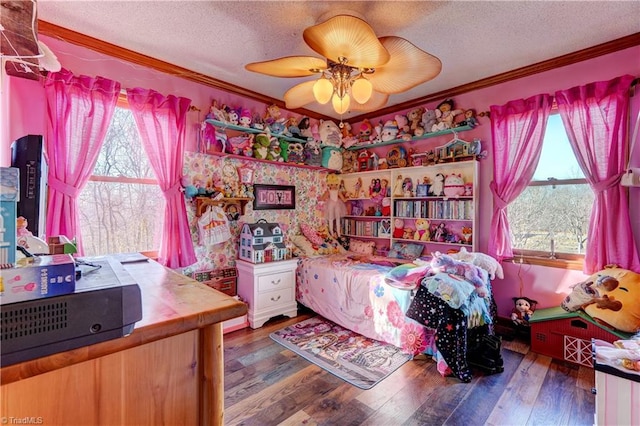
241,129
276,163
411,139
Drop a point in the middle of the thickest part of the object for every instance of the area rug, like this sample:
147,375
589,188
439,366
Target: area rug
354,358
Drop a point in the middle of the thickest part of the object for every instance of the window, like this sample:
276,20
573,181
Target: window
121,207
551,217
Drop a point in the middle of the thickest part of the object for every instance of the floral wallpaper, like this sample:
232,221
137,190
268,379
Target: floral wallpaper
309,183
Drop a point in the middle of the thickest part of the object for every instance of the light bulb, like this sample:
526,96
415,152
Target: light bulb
361,90
341,105
322,90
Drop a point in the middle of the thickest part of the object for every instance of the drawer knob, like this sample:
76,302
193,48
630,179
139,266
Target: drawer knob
276,282
275,299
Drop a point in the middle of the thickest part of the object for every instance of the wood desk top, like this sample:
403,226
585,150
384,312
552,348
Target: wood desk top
172,304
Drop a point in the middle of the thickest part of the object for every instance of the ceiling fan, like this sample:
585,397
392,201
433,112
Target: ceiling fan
356,65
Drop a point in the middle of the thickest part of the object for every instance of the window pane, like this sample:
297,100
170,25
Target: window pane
558,213
543,213
557,159
117,217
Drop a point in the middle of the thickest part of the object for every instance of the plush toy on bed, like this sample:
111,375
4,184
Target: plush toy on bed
484,261
475,275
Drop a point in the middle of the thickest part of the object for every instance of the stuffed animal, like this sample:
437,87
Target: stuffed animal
233,116
475,275
403,124
481,260
408,233
330,134
21,227
331,158
245,118
272,115
296,153
445,114
312,153
389,131
467,234
423,227
612,296
261,143
274,150
437,187
414,117
284,149
237,145
386,206
398,228
453,185
428,120
523,310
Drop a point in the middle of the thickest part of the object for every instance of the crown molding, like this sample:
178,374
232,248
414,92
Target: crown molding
118,52
100,46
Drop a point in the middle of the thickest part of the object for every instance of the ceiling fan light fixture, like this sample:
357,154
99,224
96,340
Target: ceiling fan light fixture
361,90
341,105
322,90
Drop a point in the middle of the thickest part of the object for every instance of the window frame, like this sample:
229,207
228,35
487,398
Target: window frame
543,257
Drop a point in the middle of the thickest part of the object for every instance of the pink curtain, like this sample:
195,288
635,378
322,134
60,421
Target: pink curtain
161,122
517,130
79,111
595,117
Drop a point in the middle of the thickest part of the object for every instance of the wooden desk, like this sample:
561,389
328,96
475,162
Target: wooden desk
168,371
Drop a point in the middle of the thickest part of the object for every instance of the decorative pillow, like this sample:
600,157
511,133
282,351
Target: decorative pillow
362,247
614,298
409,251
328,246
311,234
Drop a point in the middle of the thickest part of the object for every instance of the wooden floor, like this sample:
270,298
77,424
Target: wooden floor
266,384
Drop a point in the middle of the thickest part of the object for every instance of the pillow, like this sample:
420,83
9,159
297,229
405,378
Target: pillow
328,246
409,251
311,234
362,247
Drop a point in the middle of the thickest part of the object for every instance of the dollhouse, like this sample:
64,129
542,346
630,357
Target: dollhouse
262,242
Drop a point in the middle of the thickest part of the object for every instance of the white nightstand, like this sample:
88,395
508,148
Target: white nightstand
269,289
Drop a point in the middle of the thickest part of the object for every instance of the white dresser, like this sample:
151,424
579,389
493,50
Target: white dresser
269,289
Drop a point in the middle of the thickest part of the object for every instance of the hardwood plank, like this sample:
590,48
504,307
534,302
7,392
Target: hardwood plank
327,406
586,378
520,394
476,407
556,395
253,404
299,418
380,394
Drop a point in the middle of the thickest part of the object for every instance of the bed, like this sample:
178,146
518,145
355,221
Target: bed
353,290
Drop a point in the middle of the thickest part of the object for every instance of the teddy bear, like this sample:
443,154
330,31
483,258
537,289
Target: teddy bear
398,228
404,128
423,227
522,310
415,117
408,233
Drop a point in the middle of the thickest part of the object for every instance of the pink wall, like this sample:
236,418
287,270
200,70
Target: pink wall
547,285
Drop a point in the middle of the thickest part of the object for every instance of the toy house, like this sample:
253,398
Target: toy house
453,149
262,242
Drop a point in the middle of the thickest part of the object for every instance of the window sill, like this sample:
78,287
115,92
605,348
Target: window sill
574,264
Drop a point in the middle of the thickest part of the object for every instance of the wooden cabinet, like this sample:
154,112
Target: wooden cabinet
170,370
418,206
268,289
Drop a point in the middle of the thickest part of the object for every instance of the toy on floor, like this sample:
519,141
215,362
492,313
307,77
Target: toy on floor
522,310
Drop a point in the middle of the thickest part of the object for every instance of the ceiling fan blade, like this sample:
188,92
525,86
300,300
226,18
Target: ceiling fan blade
289,66
377,101
409,66
349,37
299,95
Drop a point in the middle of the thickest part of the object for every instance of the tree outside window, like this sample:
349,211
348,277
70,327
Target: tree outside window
551,217
121,206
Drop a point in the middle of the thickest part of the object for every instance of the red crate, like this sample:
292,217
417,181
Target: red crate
567,335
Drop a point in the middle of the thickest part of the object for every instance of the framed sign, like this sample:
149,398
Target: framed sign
274,197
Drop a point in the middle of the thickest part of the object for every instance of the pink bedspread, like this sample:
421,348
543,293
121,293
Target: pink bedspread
350,292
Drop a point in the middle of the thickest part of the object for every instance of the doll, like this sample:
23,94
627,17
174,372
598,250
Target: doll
522,310
335,208
445,115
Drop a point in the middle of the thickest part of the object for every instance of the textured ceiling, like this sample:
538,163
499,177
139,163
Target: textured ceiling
474,40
